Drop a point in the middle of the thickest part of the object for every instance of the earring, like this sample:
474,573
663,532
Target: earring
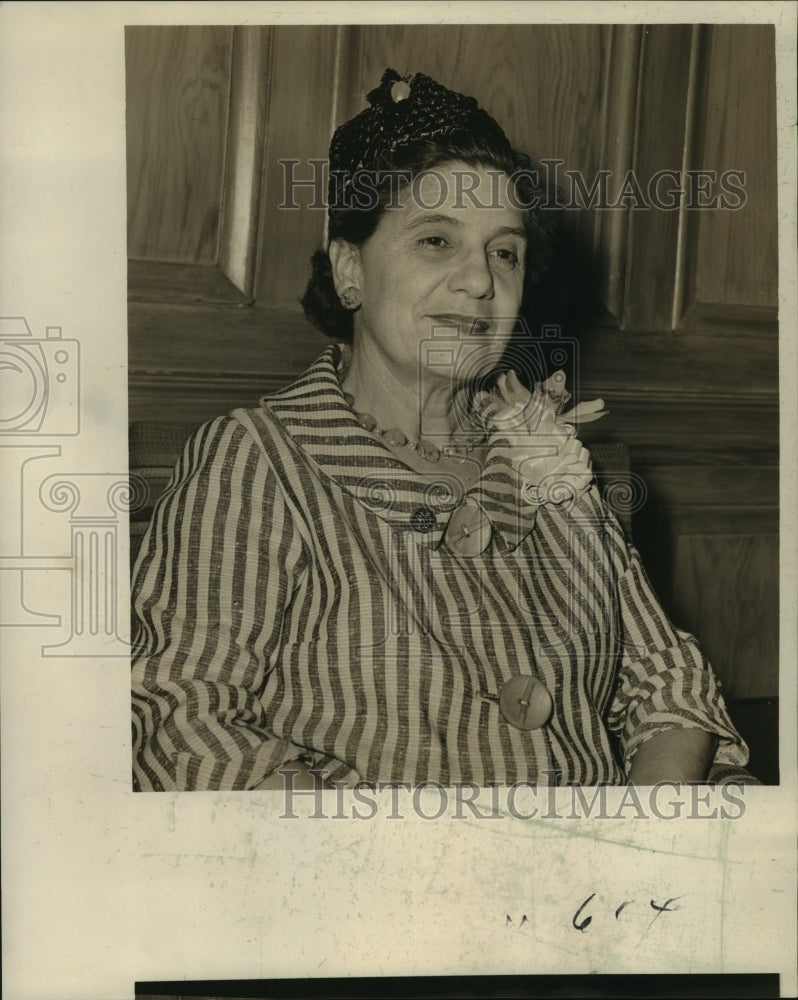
350,297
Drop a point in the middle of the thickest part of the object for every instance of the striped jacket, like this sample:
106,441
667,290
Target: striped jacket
294,596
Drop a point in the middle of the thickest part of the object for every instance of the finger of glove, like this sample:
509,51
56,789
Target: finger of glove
585,412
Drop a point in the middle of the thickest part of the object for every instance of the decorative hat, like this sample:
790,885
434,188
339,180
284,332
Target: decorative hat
403,110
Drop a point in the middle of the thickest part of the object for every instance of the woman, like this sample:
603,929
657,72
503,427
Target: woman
396,569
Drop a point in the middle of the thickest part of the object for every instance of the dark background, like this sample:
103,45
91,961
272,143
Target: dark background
472,988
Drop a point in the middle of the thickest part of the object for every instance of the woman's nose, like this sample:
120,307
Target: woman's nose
473,276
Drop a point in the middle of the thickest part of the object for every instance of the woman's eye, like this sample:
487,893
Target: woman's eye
505,258
434,242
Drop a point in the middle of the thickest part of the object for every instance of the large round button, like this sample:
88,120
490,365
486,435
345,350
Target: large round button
468,532
525,702
422,519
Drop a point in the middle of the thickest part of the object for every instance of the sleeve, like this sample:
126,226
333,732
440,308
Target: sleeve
664,680
211,587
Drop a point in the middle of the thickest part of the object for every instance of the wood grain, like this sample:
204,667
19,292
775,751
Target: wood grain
692,486
734,254
709,431
659,141
611,228
239,234
725,591
153,281
543,83
300,123
695,519
737,362
178,89
195,361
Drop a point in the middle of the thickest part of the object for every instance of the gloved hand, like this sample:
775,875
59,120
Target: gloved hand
538,441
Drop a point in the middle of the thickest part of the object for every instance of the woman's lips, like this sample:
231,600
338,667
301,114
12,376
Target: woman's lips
463,324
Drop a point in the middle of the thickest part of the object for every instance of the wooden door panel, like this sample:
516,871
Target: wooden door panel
178,94
725,590
196,115
733,252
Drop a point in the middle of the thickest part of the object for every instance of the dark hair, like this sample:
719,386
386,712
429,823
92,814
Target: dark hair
356,223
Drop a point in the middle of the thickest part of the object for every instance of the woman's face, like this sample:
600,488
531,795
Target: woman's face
442,276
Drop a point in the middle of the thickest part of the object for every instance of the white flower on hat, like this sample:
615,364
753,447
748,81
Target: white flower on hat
539,442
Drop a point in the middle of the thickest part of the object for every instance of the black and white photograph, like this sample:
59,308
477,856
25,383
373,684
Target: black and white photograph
391,561
397,421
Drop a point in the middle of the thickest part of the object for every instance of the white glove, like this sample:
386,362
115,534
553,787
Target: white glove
552,464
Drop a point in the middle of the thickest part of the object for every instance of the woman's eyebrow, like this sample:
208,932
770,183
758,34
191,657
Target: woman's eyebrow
435,220
510,231
440,219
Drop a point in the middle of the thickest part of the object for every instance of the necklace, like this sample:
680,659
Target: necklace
398,439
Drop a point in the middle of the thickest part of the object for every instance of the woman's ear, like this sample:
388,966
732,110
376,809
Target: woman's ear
345,262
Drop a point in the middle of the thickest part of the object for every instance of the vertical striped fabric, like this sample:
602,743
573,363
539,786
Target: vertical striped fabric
289,600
